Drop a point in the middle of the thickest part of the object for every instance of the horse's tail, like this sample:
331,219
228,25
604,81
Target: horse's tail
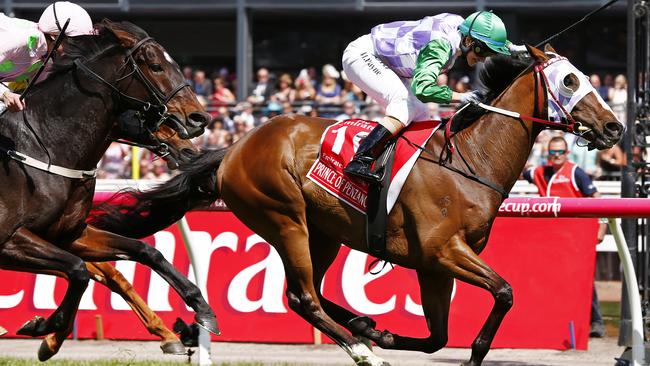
137,214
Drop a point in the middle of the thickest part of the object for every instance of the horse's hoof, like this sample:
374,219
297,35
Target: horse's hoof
173,348
3,331
30,326
208,323
44,351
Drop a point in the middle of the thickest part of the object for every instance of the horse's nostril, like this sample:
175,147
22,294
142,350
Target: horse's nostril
199,119
614,128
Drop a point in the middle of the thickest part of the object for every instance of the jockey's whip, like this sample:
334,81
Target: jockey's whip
593,12
57,43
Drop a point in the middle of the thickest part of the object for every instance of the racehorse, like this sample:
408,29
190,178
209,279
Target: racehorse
438,226
166,143
104,82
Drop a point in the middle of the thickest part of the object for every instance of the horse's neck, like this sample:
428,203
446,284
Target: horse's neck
500,145
74,111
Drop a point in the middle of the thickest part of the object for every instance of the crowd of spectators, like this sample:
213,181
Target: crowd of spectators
326,92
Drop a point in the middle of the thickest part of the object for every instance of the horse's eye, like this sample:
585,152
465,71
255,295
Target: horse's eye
570,81
156,67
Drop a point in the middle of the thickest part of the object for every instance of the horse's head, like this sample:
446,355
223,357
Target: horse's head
161,83
571,98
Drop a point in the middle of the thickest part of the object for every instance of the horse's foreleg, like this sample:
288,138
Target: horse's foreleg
461,262
106,274
98,246
26,252
110,277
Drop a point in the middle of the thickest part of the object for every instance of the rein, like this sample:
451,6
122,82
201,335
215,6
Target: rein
567,124
144,111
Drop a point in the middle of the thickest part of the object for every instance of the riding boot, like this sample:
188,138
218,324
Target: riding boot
370,149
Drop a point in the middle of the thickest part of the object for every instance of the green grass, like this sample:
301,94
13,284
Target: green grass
8,361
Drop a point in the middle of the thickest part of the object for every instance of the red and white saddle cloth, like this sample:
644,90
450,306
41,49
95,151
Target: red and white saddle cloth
339,143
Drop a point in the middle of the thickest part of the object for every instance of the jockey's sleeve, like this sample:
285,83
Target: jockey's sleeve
431,60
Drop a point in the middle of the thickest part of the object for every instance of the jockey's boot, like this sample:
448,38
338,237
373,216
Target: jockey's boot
370,149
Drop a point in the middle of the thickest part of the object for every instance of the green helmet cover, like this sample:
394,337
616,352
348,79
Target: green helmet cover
487,28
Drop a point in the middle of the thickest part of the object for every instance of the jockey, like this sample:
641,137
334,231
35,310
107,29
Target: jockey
398,64
24,46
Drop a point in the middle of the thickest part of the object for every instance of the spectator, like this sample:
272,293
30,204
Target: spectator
245,113
202,86
187,75
221,95
329,91
284,91
611,161
618,97
308,110
349,111
262,89
602,90
287,108
304,88
350,91
586,159
116,160
561,178
434,111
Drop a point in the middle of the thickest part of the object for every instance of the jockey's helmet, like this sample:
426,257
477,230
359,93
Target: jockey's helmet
55,16
487,31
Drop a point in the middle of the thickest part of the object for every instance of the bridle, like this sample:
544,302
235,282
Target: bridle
149,116
140,119
542,91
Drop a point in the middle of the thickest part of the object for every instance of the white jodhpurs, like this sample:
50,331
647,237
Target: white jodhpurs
368,72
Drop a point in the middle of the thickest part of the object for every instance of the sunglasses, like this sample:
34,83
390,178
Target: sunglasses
556,152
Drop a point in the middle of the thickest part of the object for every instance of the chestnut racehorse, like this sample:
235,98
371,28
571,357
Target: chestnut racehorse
102,83
438,226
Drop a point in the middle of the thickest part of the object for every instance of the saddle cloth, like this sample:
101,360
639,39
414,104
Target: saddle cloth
339,143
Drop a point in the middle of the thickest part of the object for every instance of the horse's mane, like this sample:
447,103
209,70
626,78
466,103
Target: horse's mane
497,74
87,47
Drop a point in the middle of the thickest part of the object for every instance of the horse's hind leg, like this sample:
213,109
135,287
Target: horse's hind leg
461,262
98,246
110,277
26,252
435,292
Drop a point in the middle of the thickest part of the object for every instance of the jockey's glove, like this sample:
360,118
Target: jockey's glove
473,97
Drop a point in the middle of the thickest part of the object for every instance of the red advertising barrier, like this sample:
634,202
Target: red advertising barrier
549,263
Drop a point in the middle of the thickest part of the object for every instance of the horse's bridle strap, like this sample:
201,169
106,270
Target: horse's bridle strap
50,168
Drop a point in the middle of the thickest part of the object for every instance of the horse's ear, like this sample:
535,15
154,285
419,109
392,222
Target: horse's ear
537,55
549,48
127,39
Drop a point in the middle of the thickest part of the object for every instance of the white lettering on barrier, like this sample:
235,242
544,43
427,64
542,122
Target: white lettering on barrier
158,294
525,207
127,268
356,279
44,292
271,299
10,301
203,245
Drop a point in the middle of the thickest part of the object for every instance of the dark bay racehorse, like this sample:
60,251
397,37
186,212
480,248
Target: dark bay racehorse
438,226
164,141
72,118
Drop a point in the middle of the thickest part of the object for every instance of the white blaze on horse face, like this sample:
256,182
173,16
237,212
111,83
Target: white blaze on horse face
168,58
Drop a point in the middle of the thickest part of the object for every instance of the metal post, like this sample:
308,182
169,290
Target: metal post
244,51
628,177
204,336
638,350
